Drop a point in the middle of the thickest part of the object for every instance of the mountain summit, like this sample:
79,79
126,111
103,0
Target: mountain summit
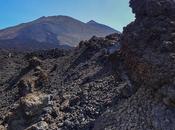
51,32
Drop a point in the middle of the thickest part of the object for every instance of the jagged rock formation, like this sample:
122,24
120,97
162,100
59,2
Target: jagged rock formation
150,41
148,55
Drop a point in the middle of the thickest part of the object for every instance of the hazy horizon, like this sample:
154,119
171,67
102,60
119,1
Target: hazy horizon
115,14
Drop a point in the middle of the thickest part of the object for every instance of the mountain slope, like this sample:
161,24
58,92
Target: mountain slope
49,32
100,26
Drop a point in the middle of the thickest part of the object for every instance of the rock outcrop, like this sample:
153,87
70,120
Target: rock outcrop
32,111
149,42
148,48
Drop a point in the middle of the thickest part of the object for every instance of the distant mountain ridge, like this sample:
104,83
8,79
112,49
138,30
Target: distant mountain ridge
51,32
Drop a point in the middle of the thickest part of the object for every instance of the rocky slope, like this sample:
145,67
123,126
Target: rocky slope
51,32
120,82
59,90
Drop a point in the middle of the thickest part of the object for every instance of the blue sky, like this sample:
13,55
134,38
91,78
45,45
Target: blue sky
114,13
